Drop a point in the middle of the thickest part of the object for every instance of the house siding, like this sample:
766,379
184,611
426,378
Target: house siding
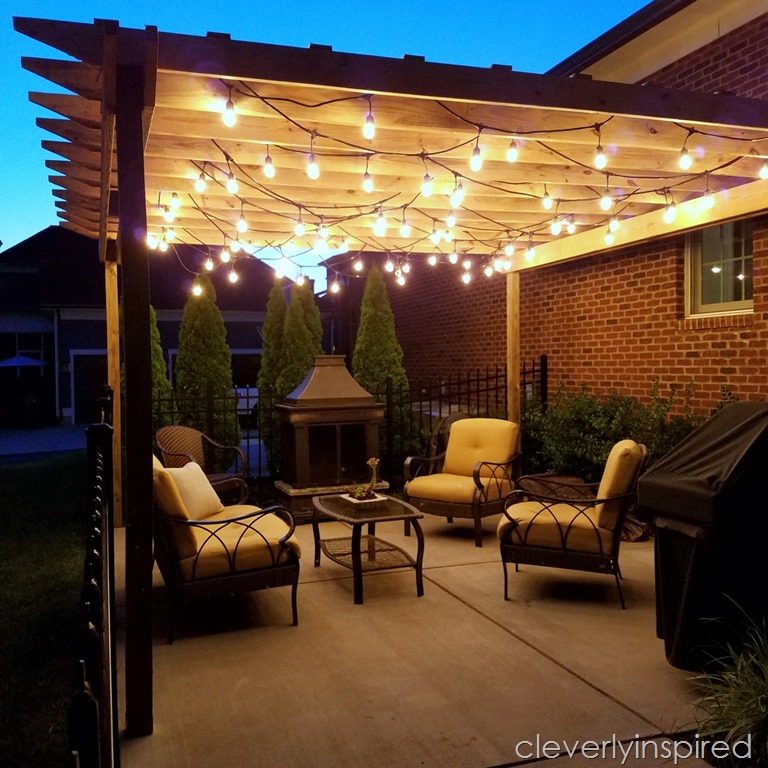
617,320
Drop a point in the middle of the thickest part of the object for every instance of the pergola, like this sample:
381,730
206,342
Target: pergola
145,121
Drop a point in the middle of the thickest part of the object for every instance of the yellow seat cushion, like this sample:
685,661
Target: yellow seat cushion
557,526
456,489
233,546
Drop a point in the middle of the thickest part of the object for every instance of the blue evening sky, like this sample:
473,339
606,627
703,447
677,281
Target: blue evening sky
531,37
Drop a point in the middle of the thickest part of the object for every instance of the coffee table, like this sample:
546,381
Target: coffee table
367,553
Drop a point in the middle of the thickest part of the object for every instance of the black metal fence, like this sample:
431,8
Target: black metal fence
93,717
411,414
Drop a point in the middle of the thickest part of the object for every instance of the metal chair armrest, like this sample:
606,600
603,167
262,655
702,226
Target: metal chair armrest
415,465
243,458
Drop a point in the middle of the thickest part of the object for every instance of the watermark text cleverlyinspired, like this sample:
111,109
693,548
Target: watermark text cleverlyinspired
628,751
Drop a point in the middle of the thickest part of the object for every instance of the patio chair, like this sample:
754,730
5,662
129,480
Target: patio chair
553,522
180,445
475,476
204,549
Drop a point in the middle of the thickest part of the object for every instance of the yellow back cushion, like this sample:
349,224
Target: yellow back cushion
168,502
473,440
196,492
619,476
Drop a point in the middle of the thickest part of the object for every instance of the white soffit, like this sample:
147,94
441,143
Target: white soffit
688,30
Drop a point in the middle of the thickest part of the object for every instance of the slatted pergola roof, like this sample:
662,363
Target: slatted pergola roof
428,119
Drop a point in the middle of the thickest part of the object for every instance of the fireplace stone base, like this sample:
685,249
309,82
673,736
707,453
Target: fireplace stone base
299,500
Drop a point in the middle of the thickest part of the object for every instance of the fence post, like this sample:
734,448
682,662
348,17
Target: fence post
390,428
544,381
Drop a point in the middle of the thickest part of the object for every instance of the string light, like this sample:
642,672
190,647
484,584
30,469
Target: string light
163,246
168,214
670,212
426,185
606,201
225,256
685,160
708,201
435,237
151,241
571,226
466,278
453,257
233,276
530,251
313,169
556,227
512,152
232,185
209,264
201,184
457,196
358,266
450,219
300,279
406,267
369,129
229,116
170,234
389,266
344,247
400,277
242,224
432,260
547,201
367,179
299,229
613,224
600,159
476,161
380,227
764,170
269,168
175,202
335,287
609,238
197,289
488,271
405,227
235,245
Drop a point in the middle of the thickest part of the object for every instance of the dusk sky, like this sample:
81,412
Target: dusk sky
531,37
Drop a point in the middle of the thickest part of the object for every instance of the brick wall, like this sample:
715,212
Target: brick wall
617,320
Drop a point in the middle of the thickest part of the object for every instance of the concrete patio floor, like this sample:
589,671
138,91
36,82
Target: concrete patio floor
457,678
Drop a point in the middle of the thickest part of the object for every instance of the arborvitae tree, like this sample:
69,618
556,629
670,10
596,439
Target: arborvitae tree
271,361
272,340
299,347
162,391
311,313
204,369
377,355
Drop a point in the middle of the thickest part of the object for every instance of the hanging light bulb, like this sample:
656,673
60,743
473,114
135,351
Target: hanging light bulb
168,214
466,278
670,213
457,196
232,276
476,161
208,264
685,160
571,227
609,238
389,266
435,237
151,241
446,235
269,168
512,152
369,129
300,279
432,260
426,185
335,287
242,224
225,255
488,271
322,230
405,227
764,170
613,224
453,257
344,247
175,202
600,159
606,201
530,253
400,278
358,266
299,229
200,184
232,185
467,264
235,245
163,246
406,267
313,170
380,227
708,201
450,219
197,289
229,112
170,234
367,183
547,201
556,227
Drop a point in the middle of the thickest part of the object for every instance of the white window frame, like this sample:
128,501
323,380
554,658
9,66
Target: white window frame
693,274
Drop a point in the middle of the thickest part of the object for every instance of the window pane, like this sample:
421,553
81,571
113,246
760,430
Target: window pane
724,266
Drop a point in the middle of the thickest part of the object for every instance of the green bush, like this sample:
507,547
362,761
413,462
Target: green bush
576,432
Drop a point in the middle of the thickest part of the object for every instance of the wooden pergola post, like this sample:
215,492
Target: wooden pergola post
513,347
136,72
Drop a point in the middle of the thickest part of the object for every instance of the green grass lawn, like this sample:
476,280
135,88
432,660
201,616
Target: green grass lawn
42,546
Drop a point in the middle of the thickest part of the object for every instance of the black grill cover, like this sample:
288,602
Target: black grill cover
709,499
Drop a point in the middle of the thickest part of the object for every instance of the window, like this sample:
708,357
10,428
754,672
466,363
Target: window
719,268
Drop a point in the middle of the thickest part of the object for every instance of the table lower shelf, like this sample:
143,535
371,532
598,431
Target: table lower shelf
375,554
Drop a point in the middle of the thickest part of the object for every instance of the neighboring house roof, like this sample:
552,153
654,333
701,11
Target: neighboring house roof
60,268
659,34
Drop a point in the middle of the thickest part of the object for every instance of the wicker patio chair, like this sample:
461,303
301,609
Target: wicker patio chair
575,525
180,445
476,474
205,549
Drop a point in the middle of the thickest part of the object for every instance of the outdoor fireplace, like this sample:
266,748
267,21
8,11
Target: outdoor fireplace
330,428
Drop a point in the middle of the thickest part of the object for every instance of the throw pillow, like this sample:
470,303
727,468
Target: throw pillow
196,492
